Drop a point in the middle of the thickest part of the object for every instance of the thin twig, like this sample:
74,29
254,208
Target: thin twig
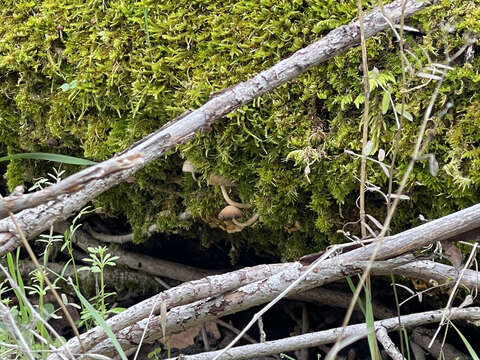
366,89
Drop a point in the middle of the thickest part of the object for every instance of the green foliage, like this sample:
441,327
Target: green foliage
98,260
88,80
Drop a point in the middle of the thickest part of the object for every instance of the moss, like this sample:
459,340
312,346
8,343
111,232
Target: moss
95,79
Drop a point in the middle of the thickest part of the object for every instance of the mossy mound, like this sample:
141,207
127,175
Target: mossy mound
89,78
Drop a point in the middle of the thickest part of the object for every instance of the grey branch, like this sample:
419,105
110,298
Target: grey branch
329,336
143,263
183,294
388,345
274,279
74,192
181,317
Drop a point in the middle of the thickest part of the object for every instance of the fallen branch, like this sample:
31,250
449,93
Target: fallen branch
89,183
182,294
387,343
255,294
423,336
327,273
245,297
329,336
144,263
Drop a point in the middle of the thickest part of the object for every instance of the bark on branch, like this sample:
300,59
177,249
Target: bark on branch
59,201
329,336
271,284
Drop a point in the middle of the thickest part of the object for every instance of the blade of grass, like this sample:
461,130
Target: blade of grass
359,301
13,273
372,339
49,157
469,347
367,311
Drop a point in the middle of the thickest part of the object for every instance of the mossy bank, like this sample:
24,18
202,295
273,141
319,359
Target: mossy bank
90,78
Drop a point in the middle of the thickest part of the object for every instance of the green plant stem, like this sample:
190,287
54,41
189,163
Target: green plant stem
50,285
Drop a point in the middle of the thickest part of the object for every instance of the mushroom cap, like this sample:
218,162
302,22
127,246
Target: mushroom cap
219,180
230,212
188,167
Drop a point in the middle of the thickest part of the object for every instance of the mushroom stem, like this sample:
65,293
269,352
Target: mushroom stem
231,202
246,223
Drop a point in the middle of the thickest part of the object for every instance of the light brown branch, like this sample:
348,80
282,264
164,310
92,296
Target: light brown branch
92,181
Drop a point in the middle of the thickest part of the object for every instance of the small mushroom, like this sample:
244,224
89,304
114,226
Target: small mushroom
218,180
188,167
223,183
230,212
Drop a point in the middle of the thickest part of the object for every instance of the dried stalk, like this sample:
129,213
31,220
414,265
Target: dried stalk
366,86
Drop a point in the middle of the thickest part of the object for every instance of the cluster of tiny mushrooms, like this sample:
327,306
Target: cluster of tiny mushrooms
230,213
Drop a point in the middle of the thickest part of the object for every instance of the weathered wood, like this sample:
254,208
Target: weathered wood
272,281
306,341
91,182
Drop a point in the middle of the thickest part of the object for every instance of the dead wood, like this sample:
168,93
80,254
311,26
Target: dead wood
59,201
388,344
182,294
331,270
143,263
329,336
245,297
423,336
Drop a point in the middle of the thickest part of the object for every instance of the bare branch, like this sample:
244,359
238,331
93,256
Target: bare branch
388,345
329,336
137,261
253,294
330,270
422,337
94,180
182,294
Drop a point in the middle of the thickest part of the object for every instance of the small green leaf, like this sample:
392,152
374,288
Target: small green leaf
69,86
406,114
385,102
360,99
49,157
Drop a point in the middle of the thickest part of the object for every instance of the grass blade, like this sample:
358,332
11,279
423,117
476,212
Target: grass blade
49,157
469,347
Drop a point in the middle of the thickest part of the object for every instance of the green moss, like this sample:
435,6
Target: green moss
96,79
